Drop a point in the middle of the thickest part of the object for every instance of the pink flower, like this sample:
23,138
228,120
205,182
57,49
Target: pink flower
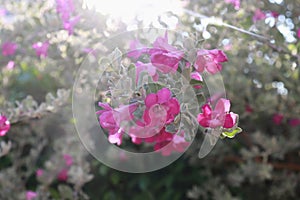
39,172
111,119
235,3
274,14
298,33
197,76
30,195
70,23
4,125
164,56
219,117
90,51
9,48
41,48
63,175
147,67
136,49
65,8
210,60
161,109
248,108
277,118
177,144
258,15
163,98
68,160
294,122
10,65
3,12
162,136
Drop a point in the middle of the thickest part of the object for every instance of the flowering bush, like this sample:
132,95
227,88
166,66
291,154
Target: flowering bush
250,48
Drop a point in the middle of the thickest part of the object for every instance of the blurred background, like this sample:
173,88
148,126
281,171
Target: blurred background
44,42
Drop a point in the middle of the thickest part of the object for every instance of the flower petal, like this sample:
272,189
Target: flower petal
150,100
163,95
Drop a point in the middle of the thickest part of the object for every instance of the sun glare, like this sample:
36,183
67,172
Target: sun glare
127,10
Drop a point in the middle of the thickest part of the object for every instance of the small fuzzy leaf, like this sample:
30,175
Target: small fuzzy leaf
231,133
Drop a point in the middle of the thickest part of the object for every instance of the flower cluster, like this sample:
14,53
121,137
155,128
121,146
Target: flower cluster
62,173
154,116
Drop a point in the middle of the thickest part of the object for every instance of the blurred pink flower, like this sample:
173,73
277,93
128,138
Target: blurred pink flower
219,117
197,76
68,160
248,108
39,172
274,14
277,118
136,49
41,48
4,125
147,67
235,3
210,60
9,48
10,65
30,195
70,23
177,144
3,12
294,122
164,56
65,8
298,33
258,15
63,175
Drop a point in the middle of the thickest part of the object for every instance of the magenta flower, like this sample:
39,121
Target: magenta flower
111,119
65,8
164,99
249,109
30,195
39,172
68,160
210,60
62,175
69,24
161,109
196,76
298,33
41,48
3,12
294,122
10,65
235,3
177,144
136,49
277,118
219,117
258,15
9,48
164,56
4,125
274,14
147,67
